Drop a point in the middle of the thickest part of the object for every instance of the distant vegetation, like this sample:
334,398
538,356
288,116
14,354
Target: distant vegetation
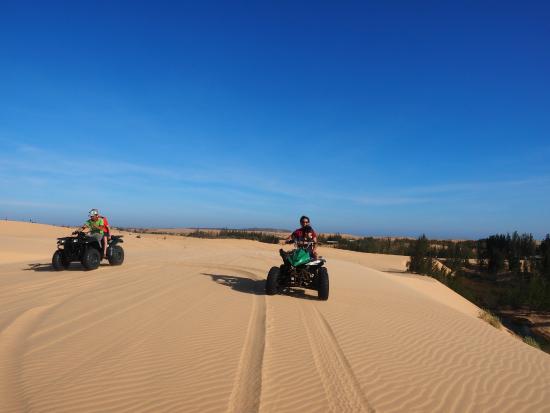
401,246
148,231
395,246
498,271
236,234
510,274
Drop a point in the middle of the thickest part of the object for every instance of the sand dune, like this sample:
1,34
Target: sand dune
184,326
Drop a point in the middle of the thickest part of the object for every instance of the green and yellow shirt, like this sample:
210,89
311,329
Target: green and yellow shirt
95,226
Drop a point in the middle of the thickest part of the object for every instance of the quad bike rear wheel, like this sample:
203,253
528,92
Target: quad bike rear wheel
322,284
272,283
59,261
115,255
91,259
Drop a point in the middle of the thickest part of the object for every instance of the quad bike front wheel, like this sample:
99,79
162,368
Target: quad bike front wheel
91,259
59,261
322,284
272,282
115,255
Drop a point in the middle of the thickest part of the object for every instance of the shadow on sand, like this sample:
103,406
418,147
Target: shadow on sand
241,284
256,287
47,267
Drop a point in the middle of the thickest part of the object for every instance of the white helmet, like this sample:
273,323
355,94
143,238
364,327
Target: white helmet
93,212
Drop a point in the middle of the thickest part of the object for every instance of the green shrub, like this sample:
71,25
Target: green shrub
531,341
490,318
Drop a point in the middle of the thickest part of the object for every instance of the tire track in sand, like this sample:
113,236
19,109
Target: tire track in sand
247,388
342,388
12,342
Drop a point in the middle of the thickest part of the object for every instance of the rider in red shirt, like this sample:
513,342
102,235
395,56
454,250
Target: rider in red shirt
305,234
107,231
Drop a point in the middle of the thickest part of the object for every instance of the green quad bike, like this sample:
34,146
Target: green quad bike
299,270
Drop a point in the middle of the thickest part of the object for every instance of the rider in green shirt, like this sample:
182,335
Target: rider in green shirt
97,228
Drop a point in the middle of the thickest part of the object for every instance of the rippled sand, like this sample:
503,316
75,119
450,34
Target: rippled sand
183,325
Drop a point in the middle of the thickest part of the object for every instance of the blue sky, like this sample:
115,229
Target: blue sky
376,119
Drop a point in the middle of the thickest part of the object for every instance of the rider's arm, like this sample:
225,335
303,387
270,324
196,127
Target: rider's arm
81,229
90,225
314,236
290,237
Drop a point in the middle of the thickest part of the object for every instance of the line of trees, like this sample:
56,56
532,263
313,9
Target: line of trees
236,234
396,246
514,253
515,267
462,250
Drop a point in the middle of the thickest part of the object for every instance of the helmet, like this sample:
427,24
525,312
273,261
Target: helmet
93,212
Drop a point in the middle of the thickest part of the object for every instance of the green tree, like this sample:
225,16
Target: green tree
421,262
497,246
513,252
545,258
481,252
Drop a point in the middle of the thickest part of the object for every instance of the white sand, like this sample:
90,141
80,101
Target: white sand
183,326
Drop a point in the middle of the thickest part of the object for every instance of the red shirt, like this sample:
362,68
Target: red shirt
300,234
106,224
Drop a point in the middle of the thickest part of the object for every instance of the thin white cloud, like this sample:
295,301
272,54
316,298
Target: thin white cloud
390,200
22,203
31,164
30,161
458,187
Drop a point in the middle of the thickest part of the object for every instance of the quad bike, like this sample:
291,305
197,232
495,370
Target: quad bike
87,250
299,270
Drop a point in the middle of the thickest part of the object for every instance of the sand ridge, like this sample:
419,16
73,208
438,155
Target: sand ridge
183,325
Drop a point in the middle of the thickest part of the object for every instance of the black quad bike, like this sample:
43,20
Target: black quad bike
299,270
87,250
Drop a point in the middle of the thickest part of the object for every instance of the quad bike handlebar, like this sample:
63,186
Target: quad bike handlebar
80,234
301,243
